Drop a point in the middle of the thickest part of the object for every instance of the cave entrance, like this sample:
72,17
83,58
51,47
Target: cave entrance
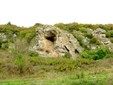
50,36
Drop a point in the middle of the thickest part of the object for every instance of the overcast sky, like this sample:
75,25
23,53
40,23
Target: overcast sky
29,12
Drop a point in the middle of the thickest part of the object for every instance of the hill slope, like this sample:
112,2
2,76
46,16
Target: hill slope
29,54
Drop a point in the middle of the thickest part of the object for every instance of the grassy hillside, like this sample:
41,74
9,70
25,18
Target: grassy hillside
20,66
62,72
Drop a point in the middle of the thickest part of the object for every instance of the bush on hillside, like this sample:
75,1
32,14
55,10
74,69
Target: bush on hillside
94,41
94,54
109,33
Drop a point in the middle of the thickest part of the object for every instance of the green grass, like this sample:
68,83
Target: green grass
95,79
99,72
30,69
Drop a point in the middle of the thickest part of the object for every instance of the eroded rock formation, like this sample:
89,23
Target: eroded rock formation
50,41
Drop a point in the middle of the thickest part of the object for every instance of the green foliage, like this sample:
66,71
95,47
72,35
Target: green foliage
111,39
79,38
27,34
94,54
33,54
5,46
109,55
9,23
61,25
83,29
108,26
67,55
94,41
109,33
19,60
21,63
80,75
58,64
10,28
88,35
67,27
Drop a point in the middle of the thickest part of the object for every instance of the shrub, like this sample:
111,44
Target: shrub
109,55
83,29
94,41
33,54
88,35
67,27
27,34
21,63
67,55
80,75
109,33
94,54
5,46
111,39
80,39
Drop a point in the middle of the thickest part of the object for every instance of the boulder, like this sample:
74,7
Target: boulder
99,34
51,41
3,37
99,31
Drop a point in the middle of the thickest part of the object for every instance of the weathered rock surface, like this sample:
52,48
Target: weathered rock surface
101,36
51,41
3,37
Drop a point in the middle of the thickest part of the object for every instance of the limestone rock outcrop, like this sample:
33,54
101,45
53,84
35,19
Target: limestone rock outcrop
3,37
51,41
100,35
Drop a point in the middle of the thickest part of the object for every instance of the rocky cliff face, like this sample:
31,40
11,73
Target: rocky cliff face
51,41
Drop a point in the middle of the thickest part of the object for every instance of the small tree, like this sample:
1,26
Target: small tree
9,23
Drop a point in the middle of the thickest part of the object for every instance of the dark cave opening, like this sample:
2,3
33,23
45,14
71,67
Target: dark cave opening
51,38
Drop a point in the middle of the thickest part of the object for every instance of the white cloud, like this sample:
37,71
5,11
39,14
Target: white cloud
29,12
